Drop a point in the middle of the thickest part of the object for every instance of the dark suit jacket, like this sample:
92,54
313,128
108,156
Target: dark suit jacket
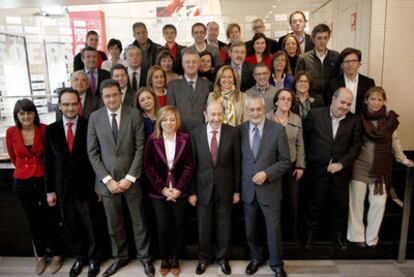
115,158
68,174
156,165
273,158
190,103
91,104
142,78
323,148
246,80
129,98
364,83
102,76
309,45
225,175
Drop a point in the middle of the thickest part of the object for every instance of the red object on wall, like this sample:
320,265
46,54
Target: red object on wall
81,23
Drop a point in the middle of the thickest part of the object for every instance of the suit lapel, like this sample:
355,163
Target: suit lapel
341,126
107,125
122,128
328,123
179,147
246,134
87,104
62,137
204,141
160,148
264,138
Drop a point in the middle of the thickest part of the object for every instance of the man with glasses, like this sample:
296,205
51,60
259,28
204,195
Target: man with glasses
350,60
259,27
261,74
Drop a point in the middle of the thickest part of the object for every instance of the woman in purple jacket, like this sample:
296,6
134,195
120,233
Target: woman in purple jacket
168,165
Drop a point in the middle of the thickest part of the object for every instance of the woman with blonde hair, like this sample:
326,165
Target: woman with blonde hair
157,82
227,92
169,167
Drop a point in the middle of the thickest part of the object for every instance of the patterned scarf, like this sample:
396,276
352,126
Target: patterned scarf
229,111
381,135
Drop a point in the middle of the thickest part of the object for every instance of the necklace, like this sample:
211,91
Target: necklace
281,121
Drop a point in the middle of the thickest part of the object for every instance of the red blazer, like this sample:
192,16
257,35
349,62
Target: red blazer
267,60
28,164
156,165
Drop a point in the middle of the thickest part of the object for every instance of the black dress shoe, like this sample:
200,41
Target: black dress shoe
280,272
76,268
360,244
225,267
341,243
149,269
115,267
94,267
252,267
201,268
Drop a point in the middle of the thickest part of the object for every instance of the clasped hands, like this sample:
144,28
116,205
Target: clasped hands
171,193
118,187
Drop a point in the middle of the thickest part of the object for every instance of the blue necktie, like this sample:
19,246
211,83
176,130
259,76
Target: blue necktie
256,142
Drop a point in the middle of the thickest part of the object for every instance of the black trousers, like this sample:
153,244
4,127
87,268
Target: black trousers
290,205
169,218
328,191
214,216
79,222
44,221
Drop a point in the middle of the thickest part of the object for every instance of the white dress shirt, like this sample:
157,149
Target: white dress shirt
188,80
352,85
210,135
321,56
131,74
335,124
170,145
65,125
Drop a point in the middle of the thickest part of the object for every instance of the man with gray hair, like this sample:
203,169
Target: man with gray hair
149,48
88,102
136,72
265,157
190,93
333,137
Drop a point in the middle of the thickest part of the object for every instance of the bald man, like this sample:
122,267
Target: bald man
333,138
216,184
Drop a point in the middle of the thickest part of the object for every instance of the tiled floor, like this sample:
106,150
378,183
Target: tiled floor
15,266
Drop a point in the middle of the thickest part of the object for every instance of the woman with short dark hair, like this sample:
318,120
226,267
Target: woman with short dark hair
24,143
115,48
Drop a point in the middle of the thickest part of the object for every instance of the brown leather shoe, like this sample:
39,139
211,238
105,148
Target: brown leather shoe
56,264
165,267
40,265
175,266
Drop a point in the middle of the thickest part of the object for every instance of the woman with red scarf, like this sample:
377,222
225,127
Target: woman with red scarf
373,168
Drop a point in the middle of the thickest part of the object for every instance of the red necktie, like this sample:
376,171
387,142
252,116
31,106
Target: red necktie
80,107
70,136
214,147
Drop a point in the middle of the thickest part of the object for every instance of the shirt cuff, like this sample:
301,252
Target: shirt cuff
106,179
131,178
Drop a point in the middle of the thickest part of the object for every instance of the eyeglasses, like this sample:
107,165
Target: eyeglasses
303,81
350,62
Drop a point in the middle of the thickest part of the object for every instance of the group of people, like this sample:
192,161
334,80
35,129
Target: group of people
211,124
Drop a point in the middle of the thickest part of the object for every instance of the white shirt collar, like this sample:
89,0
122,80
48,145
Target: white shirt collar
118,112
351,81
65,120
210,129
259,126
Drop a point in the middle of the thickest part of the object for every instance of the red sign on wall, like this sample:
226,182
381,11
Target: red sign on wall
81,23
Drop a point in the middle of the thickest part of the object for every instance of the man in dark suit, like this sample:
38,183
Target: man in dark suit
95,75
149,48
259,27
333,137
115,149
189,94
216,184
136,72
245,70
350,60
119,73
88,102
321,63
297,21
265,158
70,180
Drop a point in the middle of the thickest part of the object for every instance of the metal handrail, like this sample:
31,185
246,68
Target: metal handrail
402,250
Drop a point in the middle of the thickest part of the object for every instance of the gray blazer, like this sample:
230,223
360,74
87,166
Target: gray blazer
190,103
120,158
273,158
129,98
294,134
